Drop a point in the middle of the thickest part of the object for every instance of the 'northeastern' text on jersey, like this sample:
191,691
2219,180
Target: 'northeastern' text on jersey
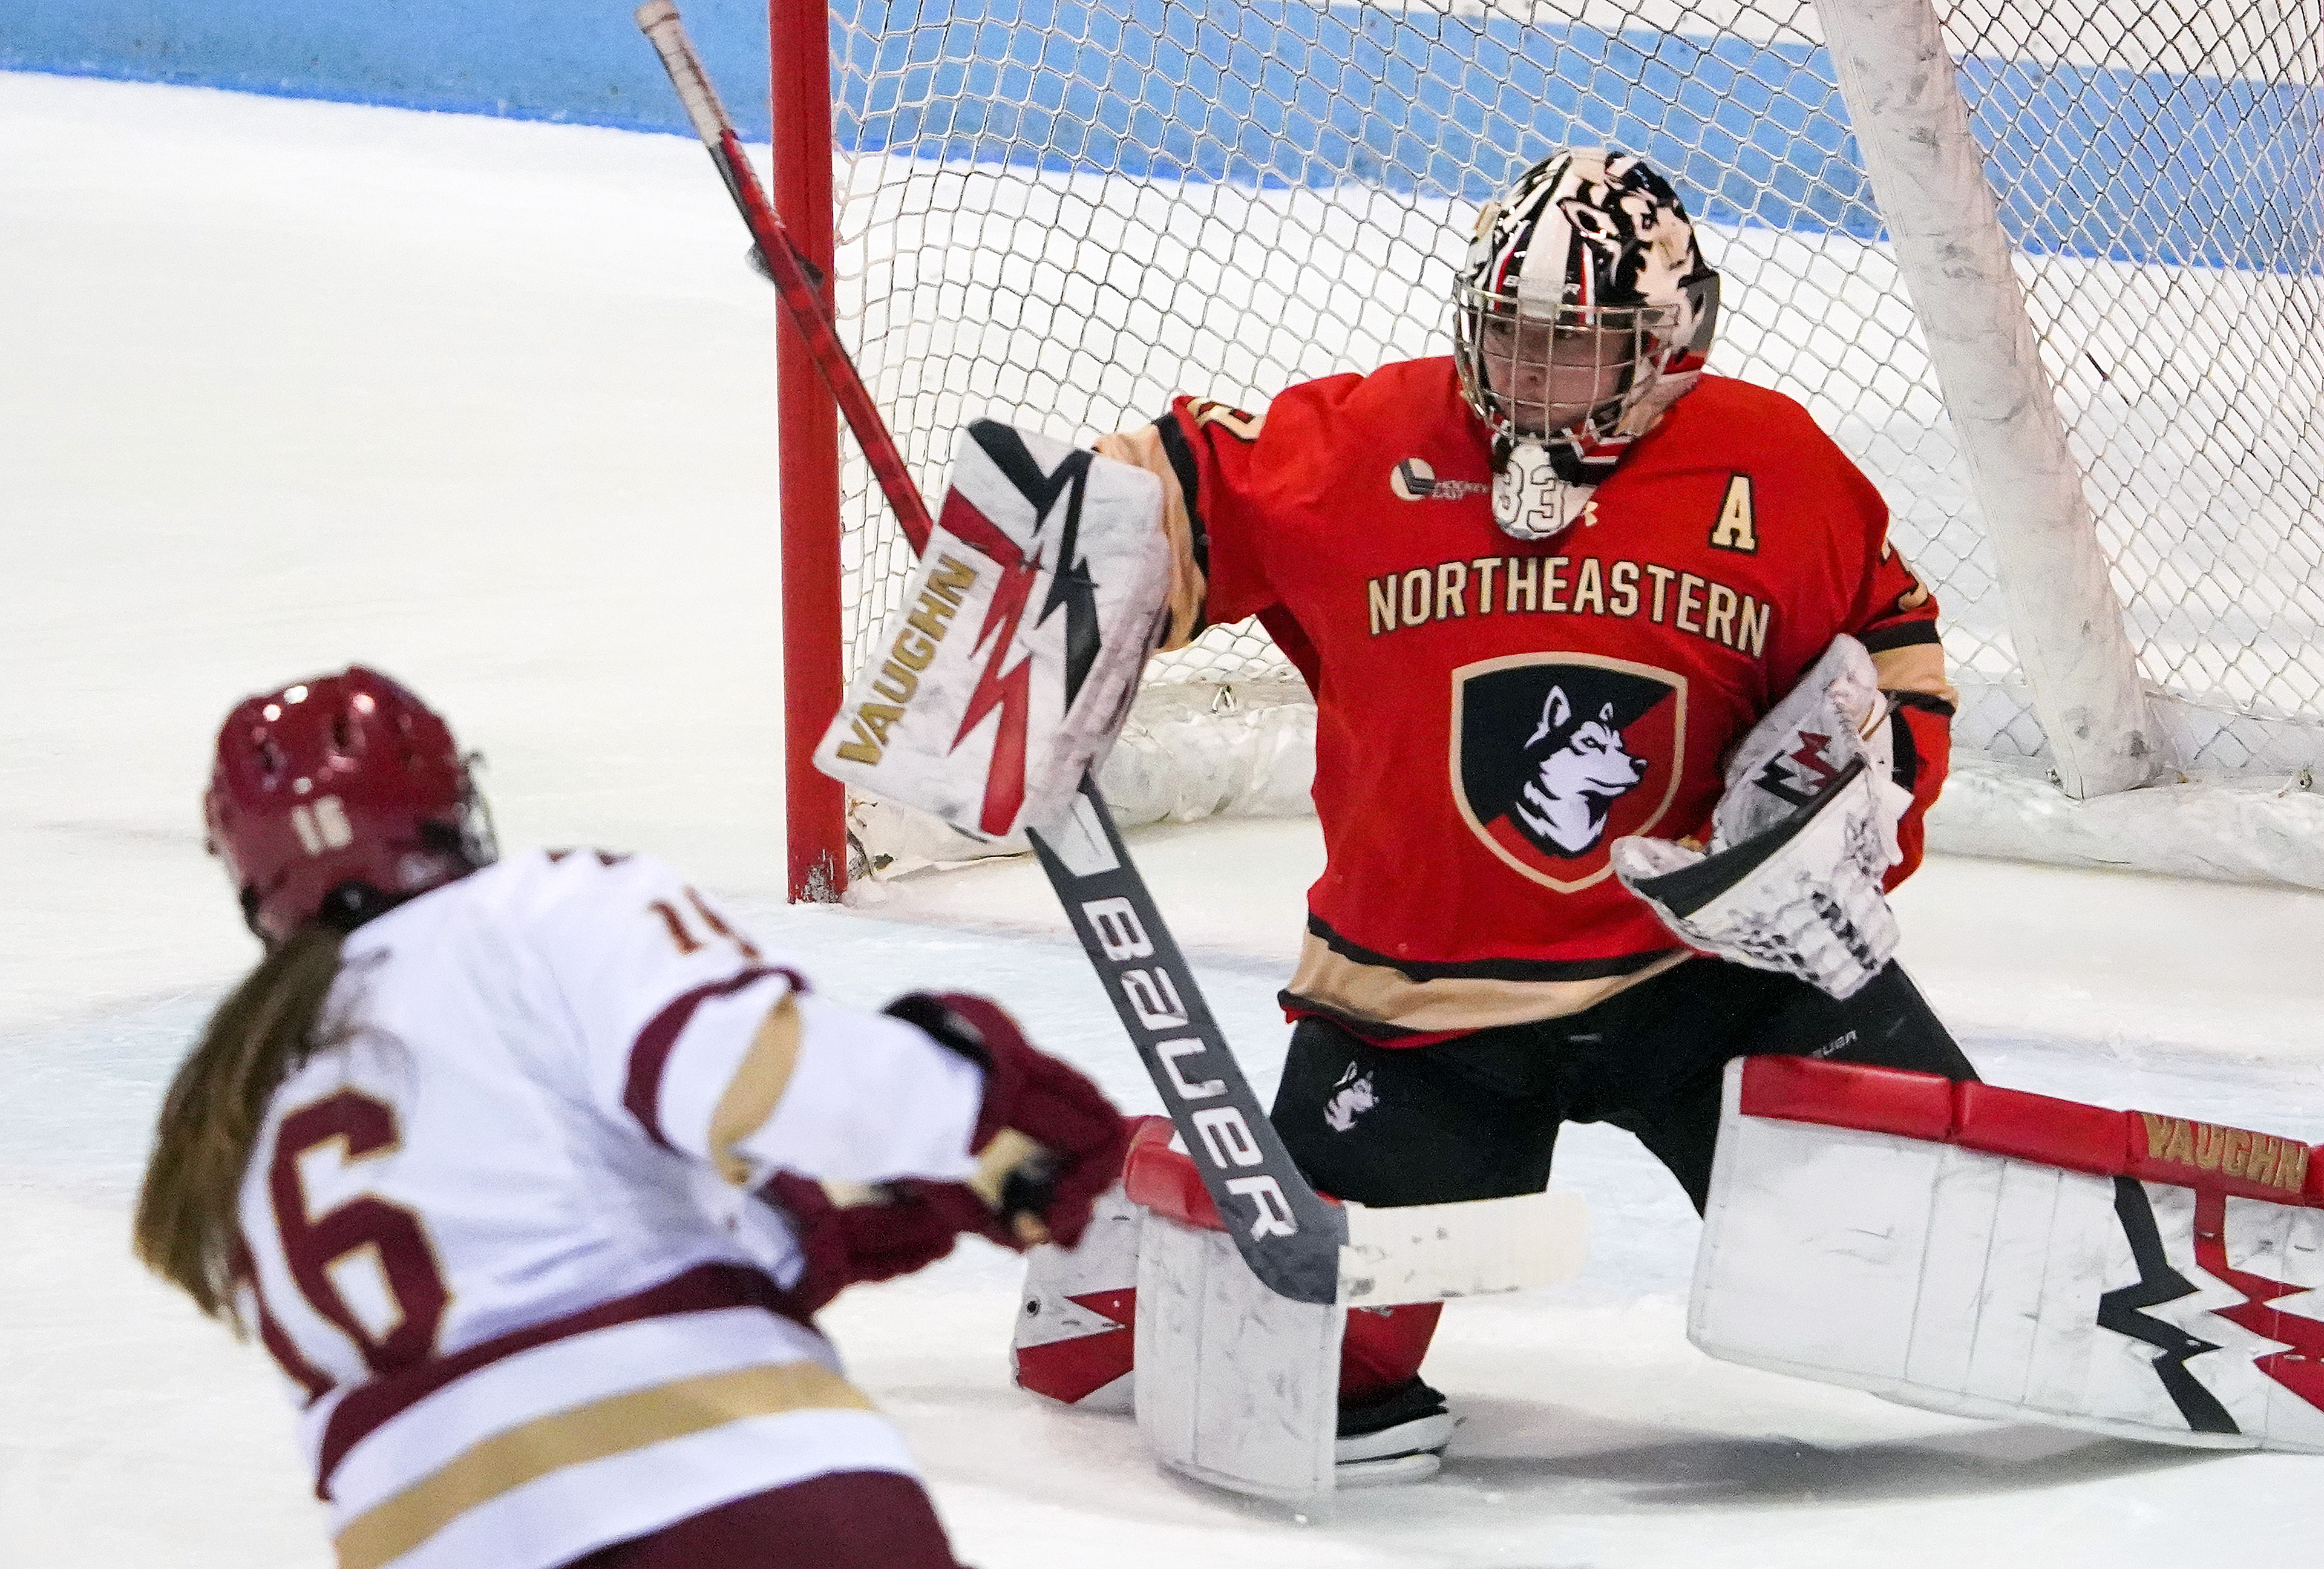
1492,714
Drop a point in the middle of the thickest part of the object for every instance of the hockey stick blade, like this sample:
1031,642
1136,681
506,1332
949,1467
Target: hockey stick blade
1292,1240
1289,1236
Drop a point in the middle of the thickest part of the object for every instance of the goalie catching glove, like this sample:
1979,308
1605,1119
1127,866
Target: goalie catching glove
1801,839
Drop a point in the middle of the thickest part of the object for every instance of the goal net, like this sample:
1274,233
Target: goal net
1062,213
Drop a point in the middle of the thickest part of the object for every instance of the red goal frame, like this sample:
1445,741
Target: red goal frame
814,807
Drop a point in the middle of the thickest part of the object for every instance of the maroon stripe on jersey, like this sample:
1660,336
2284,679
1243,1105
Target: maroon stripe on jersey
1418,970
705,1288
651,1052
845,1520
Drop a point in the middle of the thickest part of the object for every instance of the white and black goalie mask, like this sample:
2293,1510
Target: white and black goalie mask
1585,311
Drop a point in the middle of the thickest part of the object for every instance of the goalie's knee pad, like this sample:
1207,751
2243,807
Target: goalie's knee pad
1074,1335
1993,1253
1076,1317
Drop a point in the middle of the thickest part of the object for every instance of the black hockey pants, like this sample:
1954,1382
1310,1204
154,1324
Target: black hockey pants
1477,1117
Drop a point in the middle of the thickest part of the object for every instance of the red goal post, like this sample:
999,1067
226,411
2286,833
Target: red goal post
807,455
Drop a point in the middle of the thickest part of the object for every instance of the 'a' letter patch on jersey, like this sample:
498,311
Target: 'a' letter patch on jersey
1013,661
1556,756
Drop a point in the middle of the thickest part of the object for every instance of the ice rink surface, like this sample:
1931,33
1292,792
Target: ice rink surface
288,384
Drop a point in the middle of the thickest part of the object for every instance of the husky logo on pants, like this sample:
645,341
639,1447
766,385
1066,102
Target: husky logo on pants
1555,755
1351,1097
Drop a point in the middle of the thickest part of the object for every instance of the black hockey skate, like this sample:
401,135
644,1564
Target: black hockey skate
1394,1437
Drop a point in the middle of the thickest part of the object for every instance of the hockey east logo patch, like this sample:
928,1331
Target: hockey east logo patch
1556,756
1415,480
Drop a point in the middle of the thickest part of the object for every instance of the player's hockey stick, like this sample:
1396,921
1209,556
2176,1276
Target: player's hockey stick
1290,1237
795,280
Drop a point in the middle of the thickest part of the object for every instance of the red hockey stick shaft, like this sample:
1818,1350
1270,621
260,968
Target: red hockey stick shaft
795,282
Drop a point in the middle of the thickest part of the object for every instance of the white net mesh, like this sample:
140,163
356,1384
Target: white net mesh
1063,214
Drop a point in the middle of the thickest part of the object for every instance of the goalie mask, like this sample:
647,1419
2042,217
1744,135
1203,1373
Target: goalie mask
1585,311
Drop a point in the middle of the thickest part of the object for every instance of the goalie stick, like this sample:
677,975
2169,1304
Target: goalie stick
1291,1238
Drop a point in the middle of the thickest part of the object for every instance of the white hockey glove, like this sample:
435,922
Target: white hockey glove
1801,839
1836,713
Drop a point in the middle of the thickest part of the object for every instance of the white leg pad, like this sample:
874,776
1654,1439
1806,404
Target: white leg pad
1238,1387
1073,1339
1990,1253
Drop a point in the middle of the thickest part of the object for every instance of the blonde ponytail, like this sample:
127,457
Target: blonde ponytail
187,1229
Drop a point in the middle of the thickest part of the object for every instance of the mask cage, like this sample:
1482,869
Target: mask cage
1648,330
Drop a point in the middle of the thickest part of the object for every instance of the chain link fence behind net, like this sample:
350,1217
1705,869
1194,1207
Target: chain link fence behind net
1061,215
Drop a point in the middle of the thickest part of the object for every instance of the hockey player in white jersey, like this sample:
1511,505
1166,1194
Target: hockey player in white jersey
519,1169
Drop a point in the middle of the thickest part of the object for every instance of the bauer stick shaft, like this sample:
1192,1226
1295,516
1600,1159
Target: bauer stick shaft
1288,1235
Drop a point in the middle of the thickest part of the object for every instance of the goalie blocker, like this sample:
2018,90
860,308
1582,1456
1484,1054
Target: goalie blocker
1013,659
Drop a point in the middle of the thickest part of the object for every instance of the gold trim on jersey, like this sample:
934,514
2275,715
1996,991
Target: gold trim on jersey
1383,994
751,1095
597,1431
1914,668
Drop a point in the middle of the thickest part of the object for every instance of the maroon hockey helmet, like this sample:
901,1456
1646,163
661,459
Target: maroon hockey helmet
337,797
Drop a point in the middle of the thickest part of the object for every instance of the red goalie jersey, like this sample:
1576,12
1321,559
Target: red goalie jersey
1493,714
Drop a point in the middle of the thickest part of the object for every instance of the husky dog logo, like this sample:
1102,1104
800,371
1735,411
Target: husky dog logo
1351,1097
1581,768
1555,755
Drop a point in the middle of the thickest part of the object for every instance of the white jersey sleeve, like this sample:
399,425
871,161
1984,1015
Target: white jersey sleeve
705,1044
487,1237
